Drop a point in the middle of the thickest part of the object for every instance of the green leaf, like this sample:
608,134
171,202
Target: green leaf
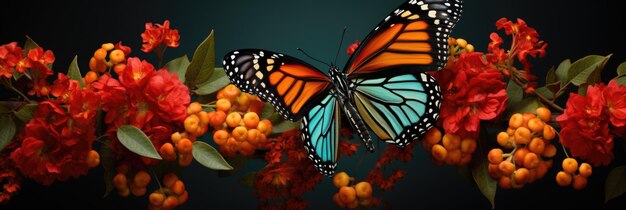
217,81
621,81
26,112
582,69
136,141
480,169
562,71
285,126
202,64
74,72
551,76
207,156
545,92
29,44
248,179
4,108
268,110
107,160
7,130
529,104
179,66
237,162
17,75
555,87
615,184
515,93
621,69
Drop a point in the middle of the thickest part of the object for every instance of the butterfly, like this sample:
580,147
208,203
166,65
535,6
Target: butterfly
383,88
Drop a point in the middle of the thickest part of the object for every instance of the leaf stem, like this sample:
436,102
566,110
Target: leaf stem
562,146
7,83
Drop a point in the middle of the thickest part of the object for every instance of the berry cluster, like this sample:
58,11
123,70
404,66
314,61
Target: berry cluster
238,128
573,174
137,185
352,195
529,139
449,148
171,195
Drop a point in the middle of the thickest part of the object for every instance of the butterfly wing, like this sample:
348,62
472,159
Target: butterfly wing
414,38
320,133
290,85
400,108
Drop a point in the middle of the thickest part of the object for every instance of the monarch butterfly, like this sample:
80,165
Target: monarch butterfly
383,87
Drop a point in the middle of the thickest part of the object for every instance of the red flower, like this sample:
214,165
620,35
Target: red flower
10,178
38,61
616,103
353,47
585,126
347,149
472,91
136,74
63,87
155,36
525,41
168,95
125,49
114,100
11,59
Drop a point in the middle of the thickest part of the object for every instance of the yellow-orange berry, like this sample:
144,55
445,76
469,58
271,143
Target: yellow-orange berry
580,182
204,117
544,114
494,170
183,198
506,168
117,56
549,151
511,131
516,120
563,179
93,159
253,136
439,152
107,46
363,190
97,65
194,107
522,135
451,141
170,202
191,123
521,176
246,148
123,192
519,155
468,146
240,133
353,205
537,145
176,137
137,191
178,187
495,156
585,169
531,160
251,120
169,179
542,169
142,179
504,182
338,201
347,194
570,165
341,179
167,151
548,132
119,68
218,118
433,136
233,119
220,137
535,125
100,54
90,77
461,42
185,159
503,138
184,146
453,157
265,127
120,181
469,48
243,100
156,198
223,105
231,91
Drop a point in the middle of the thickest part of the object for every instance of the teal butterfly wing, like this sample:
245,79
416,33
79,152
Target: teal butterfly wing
320,133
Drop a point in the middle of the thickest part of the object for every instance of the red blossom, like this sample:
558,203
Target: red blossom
525,41
347,148
353,47
168,95
125,49
10,178
136,74
156,35
11,59
616,103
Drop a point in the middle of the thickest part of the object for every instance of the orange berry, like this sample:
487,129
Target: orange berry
93,159
218,118
137,191
120,181
544,114
204,117
535,125
439,152
494,171
251,120
521,176
570,165
230,148
537,145
531,160
465,158
522,135
90,77
117,56
265,127
240,133
167,151
100,54
363,190
170,202
184,146
233,119
548,132
580,182
504,182
223,105
563,179
461,42
183,198
178,187
221,136
506,168
119,68
451,141
243,100
516,120
169,179
142,179
97,65
123,192
433,136
156,198
510,130
519,155
231,91
495,156
549,151
341,179
585,169
194,107
246,148
353,205
469,48
468,146
261,140
191,123
176,137
253,136
347,194
338,201
185,159
453,157
542,169
503,138
107,46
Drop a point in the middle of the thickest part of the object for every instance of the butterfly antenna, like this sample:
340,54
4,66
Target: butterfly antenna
340,43
307,55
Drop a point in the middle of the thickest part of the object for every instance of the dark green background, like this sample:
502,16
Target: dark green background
571,29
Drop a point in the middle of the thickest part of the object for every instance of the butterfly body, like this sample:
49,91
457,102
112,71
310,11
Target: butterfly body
383,88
